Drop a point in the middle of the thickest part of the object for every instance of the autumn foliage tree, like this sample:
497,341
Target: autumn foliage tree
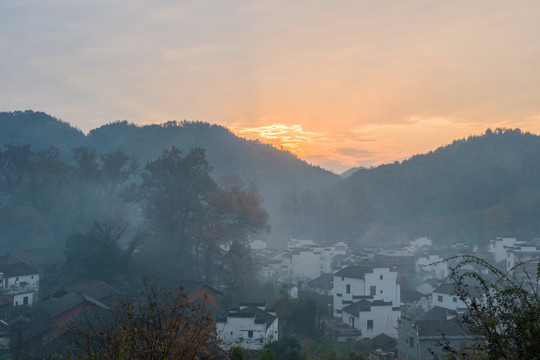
158,324
190,217
173,195
233,215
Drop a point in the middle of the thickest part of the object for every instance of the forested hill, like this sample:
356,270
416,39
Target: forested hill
275,173
477,187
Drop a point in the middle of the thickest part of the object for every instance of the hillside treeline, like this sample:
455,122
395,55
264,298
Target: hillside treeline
470,190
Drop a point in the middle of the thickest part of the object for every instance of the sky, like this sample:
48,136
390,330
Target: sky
340,83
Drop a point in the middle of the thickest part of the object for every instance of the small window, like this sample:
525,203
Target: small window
17,278
370,324
411,341
250,334
380,292
454,299
32,277
348,289
231,332
342,278
25,300
439,298
381,277
372,290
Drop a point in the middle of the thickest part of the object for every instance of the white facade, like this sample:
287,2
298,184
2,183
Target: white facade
354,283
374,319
499,247
308,263
27,282
23,299
521,254
22,289
443,297
251,330
432,267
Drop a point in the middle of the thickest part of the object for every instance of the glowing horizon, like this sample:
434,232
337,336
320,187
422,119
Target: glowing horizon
355,84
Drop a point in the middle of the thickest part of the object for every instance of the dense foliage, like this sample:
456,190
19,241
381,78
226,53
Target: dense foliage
503,309
158,324
474,188
470,190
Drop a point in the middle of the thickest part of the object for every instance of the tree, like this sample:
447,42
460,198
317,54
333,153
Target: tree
233,215
86,166
98,253
117,168
286,348
503,309
158,324
265,354
173,195
236,353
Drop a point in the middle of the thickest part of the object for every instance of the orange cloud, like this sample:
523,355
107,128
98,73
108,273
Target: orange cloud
292,138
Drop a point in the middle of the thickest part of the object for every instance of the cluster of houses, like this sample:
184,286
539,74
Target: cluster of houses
399,299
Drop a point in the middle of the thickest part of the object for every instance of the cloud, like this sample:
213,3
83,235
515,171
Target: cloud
355,152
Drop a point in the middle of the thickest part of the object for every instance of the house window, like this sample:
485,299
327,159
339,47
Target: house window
250,333
32,277
372,290
370,324
342,278
454,299
348,289
411,342
25,300
439,298
381,277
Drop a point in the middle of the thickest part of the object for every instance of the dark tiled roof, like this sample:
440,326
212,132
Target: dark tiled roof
95,289
447,289
383,341
58,306
439,327
410,295
354,271
261,316
437,313
323,282
9,258
190,286
364,305
357,307
36,327
18,269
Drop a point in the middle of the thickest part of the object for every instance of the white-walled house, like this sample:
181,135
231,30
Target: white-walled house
309,262
251,326
372,318
355,283
444,297
431,267
500,246
19,283
522,254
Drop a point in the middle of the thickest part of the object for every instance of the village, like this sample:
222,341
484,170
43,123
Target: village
400,300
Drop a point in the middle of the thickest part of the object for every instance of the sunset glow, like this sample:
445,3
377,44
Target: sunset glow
358,84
